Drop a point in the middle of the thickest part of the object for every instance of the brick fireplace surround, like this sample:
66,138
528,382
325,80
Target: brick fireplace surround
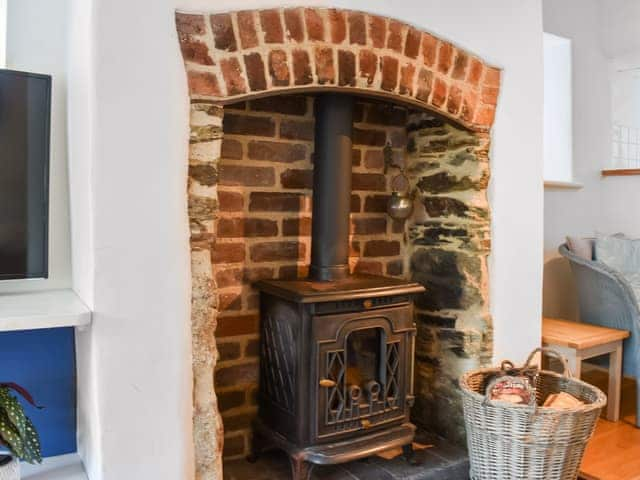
252,76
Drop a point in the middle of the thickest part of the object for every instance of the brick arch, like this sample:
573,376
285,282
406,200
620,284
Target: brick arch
237,55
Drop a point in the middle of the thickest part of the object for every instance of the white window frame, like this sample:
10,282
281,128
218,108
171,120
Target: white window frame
558,112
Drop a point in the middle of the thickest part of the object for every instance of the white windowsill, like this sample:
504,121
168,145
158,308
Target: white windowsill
558,185
46,309
63,467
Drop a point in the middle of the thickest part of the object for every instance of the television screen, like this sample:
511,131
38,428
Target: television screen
25,109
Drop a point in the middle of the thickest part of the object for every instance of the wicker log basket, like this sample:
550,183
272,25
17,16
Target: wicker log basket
519,442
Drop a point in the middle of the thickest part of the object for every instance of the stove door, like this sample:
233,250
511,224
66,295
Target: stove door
362,370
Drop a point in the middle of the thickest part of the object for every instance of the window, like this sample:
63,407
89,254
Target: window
625,113
558,134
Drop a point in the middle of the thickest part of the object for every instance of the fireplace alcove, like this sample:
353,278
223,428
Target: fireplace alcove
252,76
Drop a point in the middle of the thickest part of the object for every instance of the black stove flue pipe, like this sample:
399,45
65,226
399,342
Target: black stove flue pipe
331,187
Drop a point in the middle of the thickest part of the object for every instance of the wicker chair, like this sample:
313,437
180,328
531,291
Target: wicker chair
605,298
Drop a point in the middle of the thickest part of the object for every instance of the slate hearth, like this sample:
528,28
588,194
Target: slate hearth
440,462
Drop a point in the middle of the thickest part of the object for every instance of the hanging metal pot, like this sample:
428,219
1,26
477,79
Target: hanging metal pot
400,204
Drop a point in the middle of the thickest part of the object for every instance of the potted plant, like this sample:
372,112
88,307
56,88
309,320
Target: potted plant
19,439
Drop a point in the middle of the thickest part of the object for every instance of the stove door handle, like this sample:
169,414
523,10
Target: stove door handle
327,383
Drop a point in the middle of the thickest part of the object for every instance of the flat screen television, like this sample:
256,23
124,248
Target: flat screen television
25,112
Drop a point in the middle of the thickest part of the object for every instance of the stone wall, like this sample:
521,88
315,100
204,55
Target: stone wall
264,225
450,242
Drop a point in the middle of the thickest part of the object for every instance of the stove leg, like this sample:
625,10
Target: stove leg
409,454
300,470
258,445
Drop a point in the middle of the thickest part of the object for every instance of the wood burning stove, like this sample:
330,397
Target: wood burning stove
336,371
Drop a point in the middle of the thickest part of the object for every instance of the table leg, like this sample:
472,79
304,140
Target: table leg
575,362
615,379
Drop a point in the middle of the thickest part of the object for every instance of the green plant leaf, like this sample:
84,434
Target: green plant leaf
31,442
10,435
14,410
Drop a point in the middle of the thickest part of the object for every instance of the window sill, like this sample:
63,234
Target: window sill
63,467
620,172
45,309
557,185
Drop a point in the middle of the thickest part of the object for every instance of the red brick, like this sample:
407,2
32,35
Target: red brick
376,203
356,157
238,421
190,24
337,26
195,51
203,83
371,268
387,114
492,77
243,374
276,202
247,29
475,71
394,41
234,445
377,31
229,277
247,176
287,104
315,25
397,226
485,116
324,65
228,351
230,201
355,203
389,67
276,151
291,272
296,130
346,68
231,149
429,49
230,400
369,226
224,38
240,124
250,275
231,326
412,44
354,248
445,56
469,102
407,72
229,302
255,71
297,178
368,181
271,26
293,24
381,248
368,65
357,28
233,78
490,95
301,67
374,160
246,227
369,136
252,349
277,251
297,227
228,253
455,100
460,65
398,139
439,92
278,68
425,82
395,268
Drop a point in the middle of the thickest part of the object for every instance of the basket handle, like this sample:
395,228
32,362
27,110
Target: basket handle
552,353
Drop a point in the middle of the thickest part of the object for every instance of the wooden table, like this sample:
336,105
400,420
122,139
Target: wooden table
580,341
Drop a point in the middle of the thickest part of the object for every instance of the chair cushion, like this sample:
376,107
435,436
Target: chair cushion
582,247
621,254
